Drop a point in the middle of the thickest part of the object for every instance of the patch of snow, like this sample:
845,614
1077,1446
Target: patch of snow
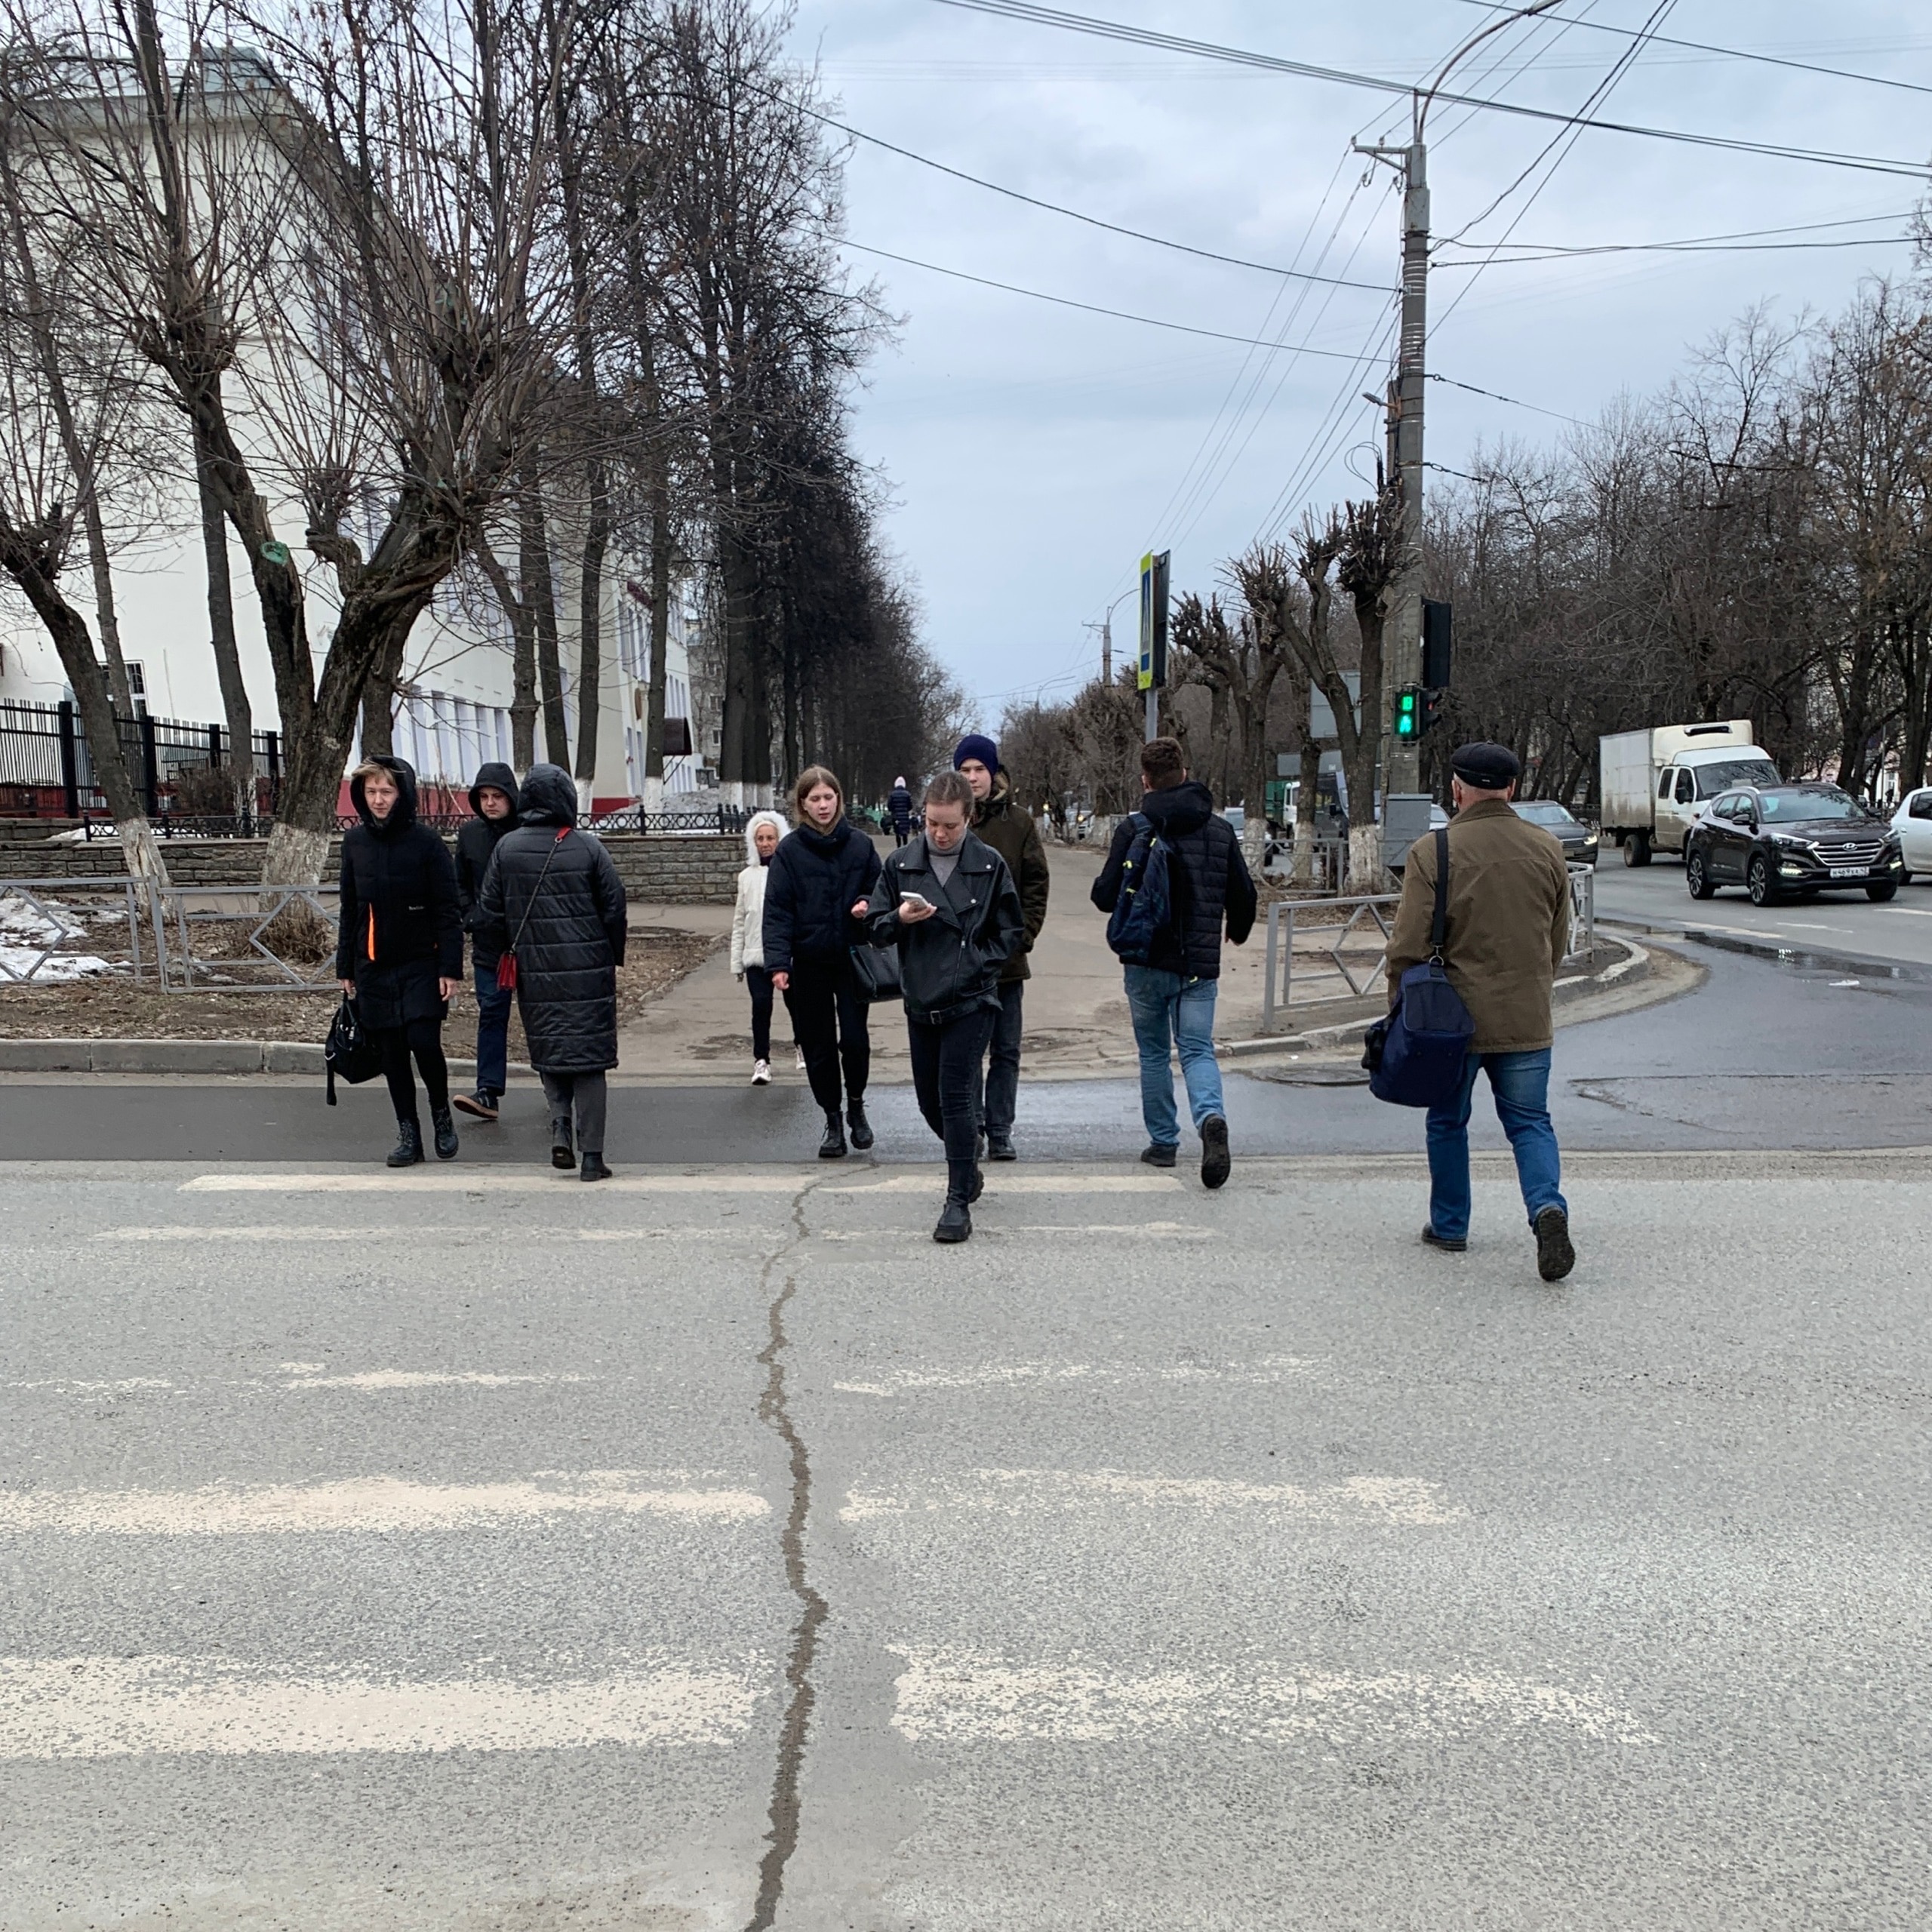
25,962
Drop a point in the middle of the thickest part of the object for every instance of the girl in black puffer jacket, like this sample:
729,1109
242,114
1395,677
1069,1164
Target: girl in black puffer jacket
399,944
815,895
552,899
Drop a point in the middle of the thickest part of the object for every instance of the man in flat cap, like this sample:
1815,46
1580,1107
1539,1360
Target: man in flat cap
1507,931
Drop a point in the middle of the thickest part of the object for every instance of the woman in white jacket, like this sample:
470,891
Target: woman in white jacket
763,830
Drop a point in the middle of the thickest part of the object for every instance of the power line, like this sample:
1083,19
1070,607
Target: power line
1545,250
1734,53
1075,214
1515,402
1038,15
1095,309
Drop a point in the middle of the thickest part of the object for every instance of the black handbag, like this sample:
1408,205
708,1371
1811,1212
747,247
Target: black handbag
875,971
350,1053
1416,1056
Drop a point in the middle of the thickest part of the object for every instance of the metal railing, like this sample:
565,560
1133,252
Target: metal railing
1358,966
39,928
634,818
255,939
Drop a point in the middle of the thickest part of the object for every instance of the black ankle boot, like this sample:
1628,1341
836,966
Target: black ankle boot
955,1223
833,1147
445,1127
862,1128
978,1186
563,1156
408,1148
593,1168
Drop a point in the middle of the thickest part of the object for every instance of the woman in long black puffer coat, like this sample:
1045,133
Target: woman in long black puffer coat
552,900
399,948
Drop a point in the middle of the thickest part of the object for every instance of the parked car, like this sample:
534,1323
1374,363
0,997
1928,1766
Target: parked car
1911,826
1778,840
1578,841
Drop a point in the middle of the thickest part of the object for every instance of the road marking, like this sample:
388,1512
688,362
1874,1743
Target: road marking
285,1232
1391,1500
130,1385
1131,1230
911,1382
484,1181
1002,1183
414,1378
116,1707
379,1504
962,1696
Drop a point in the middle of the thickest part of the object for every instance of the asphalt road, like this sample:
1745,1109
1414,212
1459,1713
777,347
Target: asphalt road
1837,923
714,1551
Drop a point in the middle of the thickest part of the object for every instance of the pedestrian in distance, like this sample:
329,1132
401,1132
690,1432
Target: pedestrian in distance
1507,931
1001,821
1177,846
948,902
763,830
493,800
899,808
553,907
398,950
816,894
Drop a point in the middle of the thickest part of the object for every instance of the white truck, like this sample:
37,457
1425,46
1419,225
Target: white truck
1654,784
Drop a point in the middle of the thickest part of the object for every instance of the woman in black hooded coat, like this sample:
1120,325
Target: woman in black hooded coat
399,945
553,900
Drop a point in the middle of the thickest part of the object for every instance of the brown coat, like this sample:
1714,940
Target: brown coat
1008,828
1508,926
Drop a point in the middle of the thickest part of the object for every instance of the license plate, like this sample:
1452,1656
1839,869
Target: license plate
1851,871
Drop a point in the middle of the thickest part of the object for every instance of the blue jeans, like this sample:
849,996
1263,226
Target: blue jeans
1169,1011
1521,1084
493,1030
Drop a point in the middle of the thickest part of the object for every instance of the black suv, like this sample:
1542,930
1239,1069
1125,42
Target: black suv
1777,839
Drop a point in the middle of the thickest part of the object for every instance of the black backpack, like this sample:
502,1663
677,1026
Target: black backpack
1143,915
349,1054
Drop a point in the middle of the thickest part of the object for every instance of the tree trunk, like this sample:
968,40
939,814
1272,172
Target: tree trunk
737,761
660,639
1366,871
235,707
379,701
105,619
540,598
590,635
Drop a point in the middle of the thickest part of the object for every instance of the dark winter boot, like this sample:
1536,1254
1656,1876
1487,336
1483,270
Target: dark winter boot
408,1148
955,1223
563,1156
979,1186
593,1168
445,1127
833,1147
862,1128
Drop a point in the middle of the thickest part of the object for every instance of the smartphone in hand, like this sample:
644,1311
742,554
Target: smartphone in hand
918,900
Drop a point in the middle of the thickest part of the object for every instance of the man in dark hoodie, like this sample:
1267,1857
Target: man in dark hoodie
493,799
1172,999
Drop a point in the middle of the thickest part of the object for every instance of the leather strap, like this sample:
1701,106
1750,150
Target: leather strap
1440,925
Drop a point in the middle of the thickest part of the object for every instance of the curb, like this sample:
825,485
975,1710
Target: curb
178,1057
1634,965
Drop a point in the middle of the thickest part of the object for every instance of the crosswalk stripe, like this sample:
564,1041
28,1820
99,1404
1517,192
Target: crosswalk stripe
985,1225
491,1180
365,1503
112,1707
1013,1375
269,1231
1406,1500
965,1696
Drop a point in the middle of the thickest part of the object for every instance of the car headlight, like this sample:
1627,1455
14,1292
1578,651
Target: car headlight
1791,838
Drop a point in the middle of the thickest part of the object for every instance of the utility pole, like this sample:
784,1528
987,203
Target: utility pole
1402,662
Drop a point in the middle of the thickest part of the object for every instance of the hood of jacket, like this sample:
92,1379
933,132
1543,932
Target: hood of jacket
826,844
996,800
752,825
402,813
496,778
1180,808
549,796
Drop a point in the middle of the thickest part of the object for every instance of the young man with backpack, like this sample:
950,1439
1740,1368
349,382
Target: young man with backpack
1174,880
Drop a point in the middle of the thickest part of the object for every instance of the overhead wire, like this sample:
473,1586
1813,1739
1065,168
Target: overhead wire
1034,15
1736,52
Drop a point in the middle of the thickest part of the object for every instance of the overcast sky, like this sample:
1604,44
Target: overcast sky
1035,452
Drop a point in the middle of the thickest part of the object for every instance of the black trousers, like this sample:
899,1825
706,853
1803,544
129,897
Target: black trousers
946,1077
588,1094
831,1024
423,1038
758,982
999,1098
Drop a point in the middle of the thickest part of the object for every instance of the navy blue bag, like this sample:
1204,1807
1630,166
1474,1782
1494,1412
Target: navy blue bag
1144,912
1425,1041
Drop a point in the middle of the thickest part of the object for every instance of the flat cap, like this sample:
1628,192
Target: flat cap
1488,767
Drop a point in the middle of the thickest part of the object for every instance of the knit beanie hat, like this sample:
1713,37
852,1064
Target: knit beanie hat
974,745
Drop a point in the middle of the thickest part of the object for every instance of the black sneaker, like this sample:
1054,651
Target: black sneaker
1555,1257
1159,1155
482,1103
1215,1160
1430,1238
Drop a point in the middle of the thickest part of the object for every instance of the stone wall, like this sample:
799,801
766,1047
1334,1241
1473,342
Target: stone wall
661,870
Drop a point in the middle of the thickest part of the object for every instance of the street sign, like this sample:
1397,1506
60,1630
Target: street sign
1154,596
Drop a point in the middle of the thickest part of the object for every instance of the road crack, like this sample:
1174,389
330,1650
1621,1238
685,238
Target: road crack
773,1409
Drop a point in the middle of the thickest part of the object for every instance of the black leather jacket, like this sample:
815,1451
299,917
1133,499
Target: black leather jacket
950,963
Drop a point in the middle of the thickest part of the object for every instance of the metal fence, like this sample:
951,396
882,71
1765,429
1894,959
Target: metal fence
47,768
635,818
1345,944
61,929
